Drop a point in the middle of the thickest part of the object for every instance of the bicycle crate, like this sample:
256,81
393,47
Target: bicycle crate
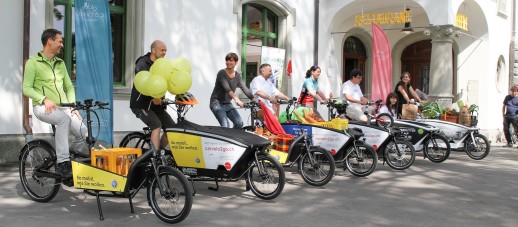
283,141
115,160
449,118
336,123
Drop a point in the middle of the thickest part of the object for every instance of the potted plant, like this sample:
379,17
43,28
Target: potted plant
431,110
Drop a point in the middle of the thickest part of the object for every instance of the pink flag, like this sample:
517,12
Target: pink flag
381,64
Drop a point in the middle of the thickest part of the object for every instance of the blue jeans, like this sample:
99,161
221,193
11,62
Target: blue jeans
224,112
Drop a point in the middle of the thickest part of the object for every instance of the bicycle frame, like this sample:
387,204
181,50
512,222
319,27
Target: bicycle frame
456,134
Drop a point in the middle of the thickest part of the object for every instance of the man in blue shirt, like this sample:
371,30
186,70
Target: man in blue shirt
509,110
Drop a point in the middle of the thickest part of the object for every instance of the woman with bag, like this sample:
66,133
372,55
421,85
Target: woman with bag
405,92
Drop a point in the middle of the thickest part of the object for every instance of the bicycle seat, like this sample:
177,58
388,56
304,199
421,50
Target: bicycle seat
355,132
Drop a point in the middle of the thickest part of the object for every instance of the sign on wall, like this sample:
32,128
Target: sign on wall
274,57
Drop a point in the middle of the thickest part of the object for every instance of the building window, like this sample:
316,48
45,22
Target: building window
63,20
260,28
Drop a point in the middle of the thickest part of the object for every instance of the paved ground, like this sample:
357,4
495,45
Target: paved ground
458,192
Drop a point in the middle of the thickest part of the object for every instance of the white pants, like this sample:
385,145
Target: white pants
66,123
358,113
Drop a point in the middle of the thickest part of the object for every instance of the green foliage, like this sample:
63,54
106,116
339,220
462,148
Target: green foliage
432,109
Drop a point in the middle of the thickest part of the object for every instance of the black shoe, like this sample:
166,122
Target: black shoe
65,170
508,145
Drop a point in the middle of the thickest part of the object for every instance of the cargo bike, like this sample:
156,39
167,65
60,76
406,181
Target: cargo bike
345,144
315,164
116,172
461,137
213,153
380,133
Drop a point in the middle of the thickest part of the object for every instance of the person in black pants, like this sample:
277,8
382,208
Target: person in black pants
509,111
147,108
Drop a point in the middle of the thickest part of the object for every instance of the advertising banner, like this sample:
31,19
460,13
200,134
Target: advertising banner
94,65
274,57
381,64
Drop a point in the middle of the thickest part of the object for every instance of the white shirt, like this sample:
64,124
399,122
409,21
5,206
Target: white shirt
260,84
354,91
385,109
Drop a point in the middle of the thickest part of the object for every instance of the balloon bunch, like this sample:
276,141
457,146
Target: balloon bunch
163,76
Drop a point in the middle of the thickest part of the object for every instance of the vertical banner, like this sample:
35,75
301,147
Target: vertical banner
274,57
381,64
94,71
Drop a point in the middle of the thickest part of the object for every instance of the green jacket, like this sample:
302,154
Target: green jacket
44,78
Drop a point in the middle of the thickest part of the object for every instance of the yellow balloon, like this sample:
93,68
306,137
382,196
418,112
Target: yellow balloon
162,67
140,80
181,64
179,83
155,86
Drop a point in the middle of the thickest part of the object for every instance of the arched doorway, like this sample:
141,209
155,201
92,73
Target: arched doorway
355,56
415,59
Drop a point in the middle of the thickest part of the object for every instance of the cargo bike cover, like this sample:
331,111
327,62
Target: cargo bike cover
212,151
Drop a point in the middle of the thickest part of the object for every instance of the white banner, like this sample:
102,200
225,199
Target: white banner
274,57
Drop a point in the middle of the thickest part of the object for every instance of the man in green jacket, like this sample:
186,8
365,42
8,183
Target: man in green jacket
47,83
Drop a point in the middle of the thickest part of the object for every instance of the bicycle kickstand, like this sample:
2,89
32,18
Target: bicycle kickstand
215,188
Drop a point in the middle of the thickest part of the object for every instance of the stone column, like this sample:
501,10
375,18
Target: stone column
441,64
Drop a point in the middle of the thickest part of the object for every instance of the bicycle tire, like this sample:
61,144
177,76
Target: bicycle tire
437,152
402,160
482,149
176,203
384,120
267,185
33,156
321,173
136,140
363,163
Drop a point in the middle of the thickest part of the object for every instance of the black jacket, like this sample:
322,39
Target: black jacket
138,100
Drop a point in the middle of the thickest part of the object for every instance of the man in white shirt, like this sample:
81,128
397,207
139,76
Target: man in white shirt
265,90
352,93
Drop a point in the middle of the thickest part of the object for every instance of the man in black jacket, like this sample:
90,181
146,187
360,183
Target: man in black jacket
147,108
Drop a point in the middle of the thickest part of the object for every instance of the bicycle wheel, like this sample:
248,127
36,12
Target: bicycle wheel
265,177
401,159
362,161
384,120
321,171
482,147
37,165
175,204
437,148
136,140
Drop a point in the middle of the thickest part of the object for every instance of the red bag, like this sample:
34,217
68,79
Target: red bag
271,121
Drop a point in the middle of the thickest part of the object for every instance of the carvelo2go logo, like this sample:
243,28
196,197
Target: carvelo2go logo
89,11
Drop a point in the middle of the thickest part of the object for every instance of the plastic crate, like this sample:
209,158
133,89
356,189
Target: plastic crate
336,123
449,118
115,160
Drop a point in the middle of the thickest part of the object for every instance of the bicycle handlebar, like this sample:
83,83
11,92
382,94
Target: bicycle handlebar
377,102
290,102
86,104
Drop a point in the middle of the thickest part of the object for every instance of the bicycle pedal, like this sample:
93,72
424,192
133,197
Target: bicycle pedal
68,182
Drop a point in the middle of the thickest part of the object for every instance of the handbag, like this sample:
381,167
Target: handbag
409,112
